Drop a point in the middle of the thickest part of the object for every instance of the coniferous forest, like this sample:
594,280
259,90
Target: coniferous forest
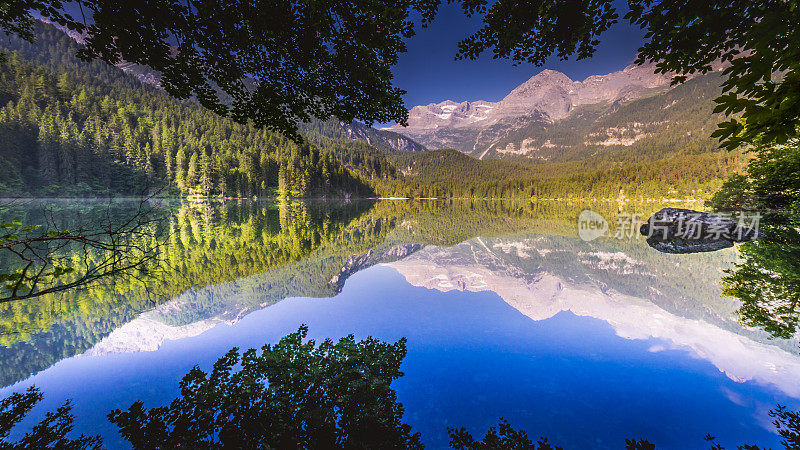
71,128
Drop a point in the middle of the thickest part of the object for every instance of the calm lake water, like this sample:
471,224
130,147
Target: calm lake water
507,312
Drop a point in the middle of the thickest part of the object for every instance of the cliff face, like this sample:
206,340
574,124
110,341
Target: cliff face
360,262
381,138
549,113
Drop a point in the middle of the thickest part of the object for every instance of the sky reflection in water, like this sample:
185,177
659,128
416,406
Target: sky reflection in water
568,349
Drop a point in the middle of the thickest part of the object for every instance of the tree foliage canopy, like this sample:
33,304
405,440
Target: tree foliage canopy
273,63
50,433
756,40
767,278
281,63
294,394
532,31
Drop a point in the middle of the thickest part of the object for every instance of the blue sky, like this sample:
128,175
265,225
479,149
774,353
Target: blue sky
429,73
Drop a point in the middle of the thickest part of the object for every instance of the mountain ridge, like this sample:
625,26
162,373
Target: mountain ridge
550,92
552,118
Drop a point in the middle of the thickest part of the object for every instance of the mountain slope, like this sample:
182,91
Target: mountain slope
677,176
383,140
552,118
75,128
549,92
677,121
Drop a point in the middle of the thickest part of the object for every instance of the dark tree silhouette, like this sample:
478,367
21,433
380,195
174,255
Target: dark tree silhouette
643,444
293,394
50,433
504,437
39,260
277,63
274,63
756,39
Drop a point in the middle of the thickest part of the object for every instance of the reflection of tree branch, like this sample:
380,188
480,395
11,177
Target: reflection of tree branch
115,248
82,281
766,279
19,281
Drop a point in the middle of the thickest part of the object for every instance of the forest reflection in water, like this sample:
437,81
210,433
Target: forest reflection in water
766,279
222,261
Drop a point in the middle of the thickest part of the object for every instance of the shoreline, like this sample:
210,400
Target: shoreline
280,199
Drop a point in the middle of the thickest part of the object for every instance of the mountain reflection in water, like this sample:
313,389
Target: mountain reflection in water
225,262
513,268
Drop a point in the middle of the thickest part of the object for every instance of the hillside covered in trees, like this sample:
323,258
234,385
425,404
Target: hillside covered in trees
75,128
656,146
695,176
72,128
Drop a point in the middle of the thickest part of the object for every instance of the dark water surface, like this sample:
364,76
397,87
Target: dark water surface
508,313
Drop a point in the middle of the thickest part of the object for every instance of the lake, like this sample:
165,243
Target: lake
507,311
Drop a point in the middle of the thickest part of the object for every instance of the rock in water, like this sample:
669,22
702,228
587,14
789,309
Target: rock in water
679,245
677,230
670,223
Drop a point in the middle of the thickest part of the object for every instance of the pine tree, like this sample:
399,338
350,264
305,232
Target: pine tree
180,169
192,172
66,151
168,167
205,174
47,151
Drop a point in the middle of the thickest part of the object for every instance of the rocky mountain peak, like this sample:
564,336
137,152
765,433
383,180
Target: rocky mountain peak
549,94
380,139
447,113
544,80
